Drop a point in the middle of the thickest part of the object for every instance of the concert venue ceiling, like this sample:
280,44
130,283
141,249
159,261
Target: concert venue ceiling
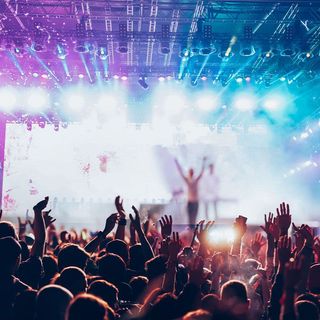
216,39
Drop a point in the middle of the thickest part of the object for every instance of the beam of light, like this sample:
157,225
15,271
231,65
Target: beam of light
244,102
34,54
93,60
183,64
105,68
85,66
202,67
7,99
65,68
37,100
15,61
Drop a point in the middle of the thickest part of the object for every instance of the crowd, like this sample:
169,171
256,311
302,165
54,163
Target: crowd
150,272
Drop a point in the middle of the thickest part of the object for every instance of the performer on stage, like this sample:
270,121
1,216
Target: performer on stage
192,185
209,191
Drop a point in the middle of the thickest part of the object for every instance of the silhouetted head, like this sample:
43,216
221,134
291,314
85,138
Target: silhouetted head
106,291
73,279
118,247
197,315
52,302
314,279
25,305
87,306
139,287
210,303
10,255
112,268
137,260
7,229
72,256
307,310
234,298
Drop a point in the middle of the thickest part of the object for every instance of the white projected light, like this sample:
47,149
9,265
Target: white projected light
274,102
174,104
75,101
245,102
37,100
7,99
207,102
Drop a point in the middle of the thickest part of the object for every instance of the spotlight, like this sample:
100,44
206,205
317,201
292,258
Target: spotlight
282,79
41,123
56,126
116,76
247,48
102,52
61,52
37,100
143,83
239,79
81,46
81,76
35,74
124,77
29,125
165,37
274,102
204,77
39,39
123,36
161,78
206,41
7,98
207,102
69,78
19,49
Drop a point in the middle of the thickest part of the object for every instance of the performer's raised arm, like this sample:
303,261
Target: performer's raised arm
180,170
202,169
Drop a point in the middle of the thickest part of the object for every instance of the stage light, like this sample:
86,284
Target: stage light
102,53
161,78
274,102
207,102
204,77
81,76
7,98
239,79
75,101
44,76
116,77
35,75
56,126
221,235
248,78
244,102
29,125
37,100
61,52
283,78
143,83
124,77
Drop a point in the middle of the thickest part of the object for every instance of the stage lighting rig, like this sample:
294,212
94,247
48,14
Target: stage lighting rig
40,36
207,46
102,52
165,39
61,51
247,48
81,45
288,46
123,38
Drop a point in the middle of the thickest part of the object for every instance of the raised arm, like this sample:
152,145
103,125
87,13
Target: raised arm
120,233
180,170
39,229
202,169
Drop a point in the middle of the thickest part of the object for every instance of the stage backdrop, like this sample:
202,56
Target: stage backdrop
84,166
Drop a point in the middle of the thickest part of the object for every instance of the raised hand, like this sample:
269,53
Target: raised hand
284,218
145,226
136,219
48,219
22,226
270,227
119,206
110,223
284,249
293,272
41,205
203,231
166,226
306,233
174,246
257,243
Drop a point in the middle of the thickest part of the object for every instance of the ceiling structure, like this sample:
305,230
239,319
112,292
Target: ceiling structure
217,39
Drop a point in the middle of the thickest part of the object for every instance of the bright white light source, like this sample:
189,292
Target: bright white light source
174,104
207,102
221,235
7,99
75,101
37,100
245,102
274,102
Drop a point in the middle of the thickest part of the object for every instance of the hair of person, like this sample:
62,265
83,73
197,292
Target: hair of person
307,310
104,290
118,247
198,315
7,229
72,255
112,268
